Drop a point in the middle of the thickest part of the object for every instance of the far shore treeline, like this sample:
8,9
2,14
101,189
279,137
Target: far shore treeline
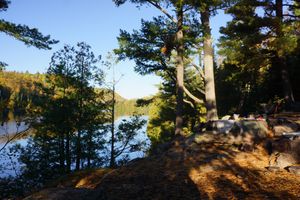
22,87
252,69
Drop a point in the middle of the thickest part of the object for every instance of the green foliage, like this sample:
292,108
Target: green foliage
29,36
66,112
74,107
257,47
2,66
69,115
53,145
18,93
11,83
151,47
4,5
126,140
129,108
154,49
161,124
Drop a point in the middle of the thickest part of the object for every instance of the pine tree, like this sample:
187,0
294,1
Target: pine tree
29,36
174,39
260,40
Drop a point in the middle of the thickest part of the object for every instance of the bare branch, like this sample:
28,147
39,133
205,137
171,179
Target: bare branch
121,150
291,5
198,69
189,102
195,66
188,93
188,8
18,134
201,91
292,16
197,100
162,10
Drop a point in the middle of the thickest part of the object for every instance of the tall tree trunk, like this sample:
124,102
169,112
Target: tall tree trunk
78,150
62,152
68,155
180,71
80,119
112,148
89,149
286,83
66,148
210,93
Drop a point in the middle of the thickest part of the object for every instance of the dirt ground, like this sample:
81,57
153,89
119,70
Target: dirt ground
191,169
202,166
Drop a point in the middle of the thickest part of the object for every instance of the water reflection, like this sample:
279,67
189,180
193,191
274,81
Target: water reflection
9,165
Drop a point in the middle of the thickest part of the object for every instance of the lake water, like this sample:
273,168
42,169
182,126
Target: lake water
9,165
9,128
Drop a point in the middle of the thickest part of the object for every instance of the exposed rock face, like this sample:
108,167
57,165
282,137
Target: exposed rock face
287,145
243,133
220,126
246,134
285,151
203,166
282,160
250,132
294,169
279,129
283,125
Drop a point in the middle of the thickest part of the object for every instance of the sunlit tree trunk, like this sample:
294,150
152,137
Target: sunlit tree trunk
180,71
210,94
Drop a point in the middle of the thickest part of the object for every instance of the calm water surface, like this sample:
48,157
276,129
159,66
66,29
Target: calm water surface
9,165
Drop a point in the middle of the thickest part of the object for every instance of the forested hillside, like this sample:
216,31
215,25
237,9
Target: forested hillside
129,107
19,90
224,124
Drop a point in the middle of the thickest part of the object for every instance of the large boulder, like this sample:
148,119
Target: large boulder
220,126
287,144
284,123
286,127
245,134
285,151
282,160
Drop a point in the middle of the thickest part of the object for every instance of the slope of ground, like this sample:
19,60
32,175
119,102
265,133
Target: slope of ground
198,167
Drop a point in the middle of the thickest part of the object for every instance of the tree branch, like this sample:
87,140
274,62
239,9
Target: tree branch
162,10
188,93
14,137
198,69
197,100
292,16
189,102
201,91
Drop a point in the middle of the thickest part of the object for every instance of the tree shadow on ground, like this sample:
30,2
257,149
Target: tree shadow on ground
234,174
192,168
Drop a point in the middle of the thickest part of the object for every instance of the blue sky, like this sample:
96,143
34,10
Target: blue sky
96,22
